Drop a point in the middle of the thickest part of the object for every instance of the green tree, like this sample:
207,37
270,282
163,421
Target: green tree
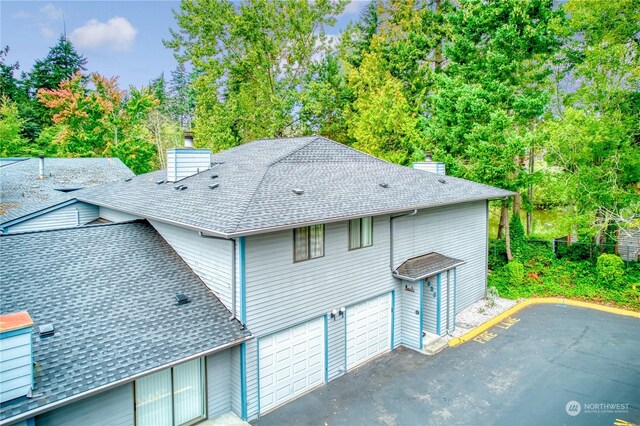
595,138
251,59
9,85
12,143
61,63
100,121
183,101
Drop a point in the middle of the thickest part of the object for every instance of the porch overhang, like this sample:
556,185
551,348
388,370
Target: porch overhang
425,265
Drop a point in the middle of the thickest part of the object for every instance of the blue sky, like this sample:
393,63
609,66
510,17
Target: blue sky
118,38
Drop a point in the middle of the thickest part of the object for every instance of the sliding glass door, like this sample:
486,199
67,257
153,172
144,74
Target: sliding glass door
171,397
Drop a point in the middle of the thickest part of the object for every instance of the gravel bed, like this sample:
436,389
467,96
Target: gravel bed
481,311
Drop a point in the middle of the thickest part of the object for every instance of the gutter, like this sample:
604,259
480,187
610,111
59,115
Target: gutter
233,270
28,414
414,212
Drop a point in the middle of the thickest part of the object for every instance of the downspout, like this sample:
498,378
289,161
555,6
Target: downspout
233,270
391,234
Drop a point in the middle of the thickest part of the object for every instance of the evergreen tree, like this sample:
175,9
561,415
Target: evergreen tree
183,101
61,63
9,85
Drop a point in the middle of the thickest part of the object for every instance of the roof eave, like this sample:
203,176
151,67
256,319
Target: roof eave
395,273
42,409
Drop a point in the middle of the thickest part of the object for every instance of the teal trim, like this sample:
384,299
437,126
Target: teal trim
198,150
421,317
31,421
455,296
326,349
393,318
243,381
438,307
345,340
258,363
243,281
13,333
38,213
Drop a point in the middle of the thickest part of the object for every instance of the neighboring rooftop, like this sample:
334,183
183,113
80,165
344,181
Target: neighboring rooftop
426,265
283,183
115,315
22,191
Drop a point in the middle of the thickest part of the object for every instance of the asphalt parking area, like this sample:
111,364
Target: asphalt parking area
557,365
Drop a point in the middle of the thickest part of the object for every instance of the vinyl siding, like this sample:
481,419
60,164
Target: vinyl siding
410,320
209,258
336,330
430,304
281,293
111,408
115,215
218,383
63,217
182,163
16,373
234,355
458,231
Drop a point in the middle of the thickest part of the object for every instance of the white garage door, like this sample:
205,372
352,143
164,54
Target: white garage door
368,330
291,363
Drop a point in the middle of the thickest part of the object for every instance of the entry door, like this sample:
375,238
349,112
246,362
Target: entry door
291,363
368,330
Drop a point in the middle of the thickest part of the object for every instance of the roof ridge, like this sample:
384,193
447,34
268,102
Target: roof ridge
282,157
355,150
71,228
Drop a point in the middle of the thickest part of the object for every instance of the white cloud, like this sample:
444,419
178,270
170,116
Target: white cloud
354,7
47,32
115,34
50,12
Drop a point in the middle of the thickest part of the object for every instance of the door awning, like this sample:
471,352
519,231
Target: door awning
426,265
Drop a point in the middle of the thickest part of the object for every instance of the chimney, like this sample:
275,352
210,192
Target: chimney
16,365
187,161
188,139
430,166
41,167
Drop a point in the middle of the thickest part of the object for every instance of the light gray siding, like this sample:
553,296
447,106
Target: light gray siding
459,231
218,383
72,215
430,304
281,293
410,314
111,408
116,216
209,258
236,397
182,163
336,330
17,372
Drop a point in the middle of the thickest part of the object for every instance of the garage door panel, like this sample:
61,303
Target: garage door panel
368,330
294,360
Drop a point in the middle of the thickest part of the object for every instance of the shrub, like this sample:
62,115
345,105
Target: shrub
515,272
610,268
492,296
516,232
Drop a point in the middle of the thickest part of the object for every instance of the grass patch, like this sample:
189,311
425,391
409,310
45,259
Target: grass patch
545,276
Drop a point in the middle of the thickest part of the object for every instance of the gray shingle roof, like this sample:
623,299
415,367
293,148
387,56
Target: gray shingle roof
426,265
257,181
110,292
22,193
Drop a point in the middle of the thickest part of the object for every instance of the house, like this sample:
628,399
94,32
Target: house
328,256
91,331
29,185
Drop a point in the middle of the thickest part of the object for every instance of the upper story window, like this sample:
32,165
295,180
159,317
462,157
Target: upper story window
308,242
360,233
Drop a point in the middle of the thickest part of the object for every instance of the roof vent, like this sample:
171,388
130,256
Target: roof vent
298,191
214,176
384,185
214,185
46,330
182,299
180,187
128,179
160,182
442,180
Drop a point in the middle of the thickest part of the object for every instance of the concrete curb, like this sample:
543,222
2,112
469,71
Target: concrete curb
537,301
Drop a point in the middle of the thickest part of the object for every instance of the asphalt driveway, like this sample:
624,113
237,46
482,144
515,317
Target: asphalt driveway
525,372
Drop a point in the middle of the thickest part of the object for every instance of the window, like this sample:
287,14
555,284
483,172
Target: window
360,233
171,397
308,242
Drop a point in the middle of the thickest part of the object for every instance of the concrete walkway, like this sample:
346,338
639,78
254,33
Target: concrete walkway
527,371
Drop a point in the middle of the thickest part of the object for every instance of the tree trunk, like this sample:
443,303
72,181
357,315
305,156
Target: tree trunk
500,225
507,239
517,200
530,193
